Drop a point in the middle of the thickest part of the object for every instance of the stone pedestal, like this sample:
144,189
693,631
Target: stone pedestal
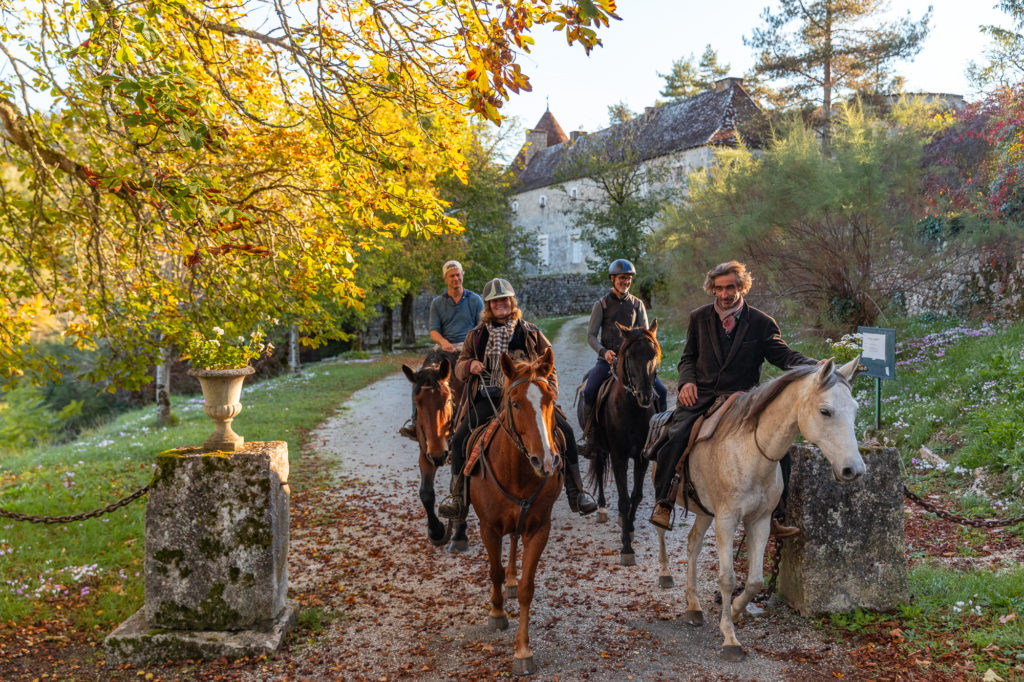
851,552
216,566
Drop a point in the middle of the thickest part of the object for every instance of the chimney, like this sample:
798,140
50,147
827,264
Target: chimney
576,134
535,141
648,111
726,83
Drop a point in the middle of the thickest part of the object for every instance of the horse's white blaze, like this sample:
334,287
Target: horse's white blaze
535,397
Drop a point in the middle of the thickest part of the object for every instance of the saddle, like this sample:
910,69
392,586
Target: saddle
703,429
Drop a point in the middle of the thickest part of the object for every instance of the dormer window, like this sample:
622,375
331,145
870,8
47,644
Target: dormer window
543,200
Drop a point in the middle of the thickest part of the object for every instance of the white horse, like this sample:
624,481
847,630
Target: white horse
737,477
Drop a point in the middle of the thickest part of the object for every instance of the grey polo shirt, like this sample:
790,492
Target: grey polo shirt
454,320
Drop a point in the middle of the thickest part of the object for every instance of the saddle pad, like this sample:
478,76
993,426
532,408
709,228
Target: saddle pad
602,395
658,429
480,437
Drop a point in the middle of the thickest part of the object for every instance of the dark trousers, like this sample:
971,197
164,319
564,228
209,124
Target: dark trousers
672,449
600,371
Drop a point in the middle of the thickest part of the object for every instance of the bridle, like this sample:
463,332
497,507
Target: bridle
448,408
642,400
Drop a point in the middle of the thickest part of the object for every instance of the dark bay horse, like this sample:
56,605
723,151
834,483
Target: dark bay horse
621,427
514,487
737,477
435,392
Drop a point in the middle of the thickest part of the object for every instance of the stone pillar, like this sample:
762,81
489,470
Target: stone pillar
216,565
851,552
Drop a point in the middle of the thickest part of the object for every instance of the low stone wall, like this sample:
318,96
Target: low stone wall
553,295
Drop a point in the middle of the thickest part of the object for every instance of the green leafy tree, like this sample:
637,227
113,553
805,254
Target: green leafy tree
620,113
1005,55
819,231
833,46
686,79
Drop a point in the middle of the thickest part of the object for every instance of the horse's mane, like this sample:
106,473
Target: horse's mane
749,406
430,370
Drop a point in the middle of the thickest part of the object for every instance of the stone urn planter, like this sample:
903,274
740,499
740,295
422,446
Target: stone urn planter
222,392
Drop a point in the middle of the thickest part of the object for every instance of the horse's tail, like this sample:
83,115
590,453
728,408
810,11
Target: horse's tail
598,466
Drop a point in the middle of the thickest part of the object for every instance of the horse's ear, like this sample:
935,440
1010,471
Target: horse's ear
409,373
622,328
653,329
851,369
826,370
445,369
508,367
546,363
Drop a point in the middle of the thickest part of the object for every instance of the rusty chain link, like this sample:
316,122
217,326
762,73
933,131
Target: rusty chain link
4,513
942,513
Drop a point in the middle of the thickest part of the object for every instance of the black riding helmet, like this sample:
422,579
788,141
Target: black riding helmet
621,266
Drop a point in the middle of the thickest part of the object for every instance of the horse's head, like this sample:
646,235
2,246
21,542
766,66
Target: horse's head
825,415
434,404
530,403
638,360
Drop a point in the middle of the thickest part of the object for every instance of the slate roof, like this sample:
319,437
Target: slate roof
556,135
713,117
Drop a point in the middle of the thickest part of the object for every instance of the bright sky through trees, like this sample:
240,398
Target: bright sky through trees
653,33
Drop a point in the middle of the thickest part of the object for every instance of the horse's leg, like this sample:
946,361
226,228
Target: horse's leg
757,539
512,573
533,545
725,529
497,618
619,469
435,529
460,541
694,544
639,472
602,504
665,576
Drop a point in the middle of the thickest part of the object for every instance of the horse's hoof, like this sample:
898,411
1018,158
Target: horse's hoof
733,653
627,559
666,582
696,619
523,666
458,546
443,537
497,623
602,515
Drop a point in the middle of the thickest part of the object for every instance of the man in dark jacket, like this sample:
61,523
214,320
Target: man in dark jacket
502,330
727,341
618,305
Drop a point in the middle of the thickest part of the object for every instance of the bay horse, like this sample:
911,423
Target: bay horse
514,487
737,477
622,421
435,392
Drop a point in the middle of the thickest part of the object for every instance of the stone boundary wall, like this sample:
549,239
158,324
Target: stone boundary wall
988,282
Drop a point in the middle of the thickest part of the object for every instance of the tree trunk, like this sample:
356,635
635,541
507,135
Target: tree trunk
294,364
163,387
408,327
826,99
386,328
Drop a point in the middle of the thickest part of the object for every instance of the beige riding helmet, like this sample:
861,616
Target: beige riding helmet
498,288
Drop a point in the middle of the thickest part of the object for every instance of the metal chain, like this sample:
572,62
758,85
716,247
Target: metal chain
977,523
4,513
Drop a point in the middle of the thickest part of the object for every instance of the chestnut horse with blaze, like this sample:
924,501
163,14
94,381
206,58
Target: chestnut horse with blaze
514,486
435,392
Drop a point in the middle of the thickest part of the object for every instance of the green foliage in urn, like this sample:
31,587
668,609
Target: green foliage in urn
220,350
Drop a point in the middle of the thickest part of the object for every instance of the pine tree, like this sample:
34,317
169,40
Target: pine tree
830,46
685,79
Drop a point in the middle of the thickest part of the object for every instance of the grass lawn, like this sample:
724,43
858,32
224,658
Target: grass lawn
82,579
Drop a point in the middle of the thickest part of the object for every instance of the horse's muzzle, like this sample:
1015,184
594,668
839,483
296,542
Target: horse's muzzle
538,463
849,473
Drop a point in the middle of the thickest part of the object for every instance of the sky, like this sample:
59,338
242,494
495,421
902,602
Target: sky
654,33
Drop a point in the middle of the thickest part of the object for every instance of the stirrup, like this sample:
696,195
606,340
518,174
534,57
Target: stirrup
584,504
452,507
408,430
662,517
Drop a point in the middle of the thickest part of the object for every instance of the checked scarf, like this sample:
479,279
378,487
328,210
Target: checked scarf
498,339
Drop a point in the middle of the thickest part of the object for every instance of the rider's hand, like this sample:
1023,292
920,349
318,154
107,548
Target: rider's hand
476,367
688,394
609,357
448,347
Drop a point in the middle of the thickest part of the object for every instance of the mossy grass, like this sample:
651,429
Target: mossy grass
88,574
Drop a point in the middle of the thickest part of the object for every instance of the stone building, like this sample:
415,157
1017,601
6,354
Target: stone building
675,139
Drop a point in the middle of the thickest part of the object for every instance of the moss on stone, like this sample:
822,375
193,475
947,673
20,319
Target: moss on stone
254,533
212,613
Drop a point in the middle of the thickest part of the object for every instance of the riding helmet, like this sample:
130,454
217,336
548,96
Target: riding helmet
621,267
498,288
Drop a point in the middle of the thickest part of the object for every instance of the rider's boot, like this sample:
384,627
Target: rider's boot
456,506
662,516
580,500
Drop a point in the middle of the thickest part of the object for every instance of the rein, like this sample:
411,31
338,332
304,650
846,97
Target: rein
449,406
760,450
630,388
524,504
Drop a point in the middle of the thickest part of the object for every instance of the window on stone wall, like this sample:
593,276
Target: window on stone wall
573,193
543,201
576,249
542,247
515,207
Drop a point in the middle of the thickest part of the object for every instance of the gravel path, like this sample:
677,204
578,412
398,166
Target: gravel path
394,606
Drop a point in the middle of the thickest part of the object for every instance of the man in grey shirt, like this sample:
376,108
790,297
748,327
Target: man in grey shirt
452,315
618,305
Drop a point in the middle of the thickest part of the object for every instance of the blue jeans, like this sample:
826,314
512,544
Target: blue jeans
600,372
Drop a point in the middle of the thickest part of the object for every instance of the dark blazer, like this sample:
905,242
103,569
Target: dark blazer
756,338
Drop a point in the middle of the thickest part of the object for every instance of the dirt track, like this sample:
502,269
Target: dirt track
395,606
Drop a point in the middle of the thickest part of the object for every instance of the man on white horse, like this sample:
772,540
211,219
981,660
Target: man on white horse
727,341
452,315
617,306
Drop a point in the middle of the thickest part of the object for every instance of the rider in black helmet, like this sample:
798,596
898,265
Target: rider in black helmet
618,305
